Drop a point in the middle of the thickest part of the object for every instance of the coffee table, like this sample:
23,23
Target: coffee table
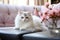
40,36
11,34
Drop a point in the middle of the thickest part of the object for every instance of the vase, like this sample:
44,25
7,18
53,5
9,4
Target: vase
54,30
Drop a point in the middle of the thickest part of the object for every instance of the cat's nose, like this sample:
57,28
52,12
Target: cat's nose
23,19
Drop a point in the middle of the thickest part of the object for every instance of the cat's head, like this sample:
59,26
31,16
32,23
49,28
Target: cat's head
25,16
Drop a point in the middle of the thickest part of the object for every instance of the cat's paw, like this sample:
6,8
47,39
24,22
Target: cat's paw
39,30
16,28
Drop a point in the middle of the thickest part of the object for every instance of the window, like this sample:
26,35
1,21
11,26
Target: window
21,2
1,1
31,2
18,2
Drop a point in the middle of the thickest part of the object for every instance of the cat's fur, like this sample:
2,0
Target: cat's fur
26,21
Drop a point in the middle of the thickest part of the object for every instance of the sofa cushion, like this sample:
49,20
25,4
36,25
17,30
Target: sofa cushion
9,25
2,23
21,8
10,16
29,8
3,8
9,19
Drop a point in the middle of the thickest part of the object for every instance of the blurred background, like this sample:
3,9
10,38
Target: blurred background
28,2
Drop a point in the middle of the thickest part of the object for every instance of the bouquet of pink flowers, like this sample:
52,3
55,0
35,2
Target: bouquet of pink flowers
53,14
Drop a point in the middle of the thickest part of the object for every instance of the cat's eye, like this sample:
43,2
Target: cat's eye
22,17
26,17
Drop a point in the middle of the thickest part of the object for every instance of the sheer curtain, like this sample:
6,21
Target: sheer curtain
1,1
18,2
31,2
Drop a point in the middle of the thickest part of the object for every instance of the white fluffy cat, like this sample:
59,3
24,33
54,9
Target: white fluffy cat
26,21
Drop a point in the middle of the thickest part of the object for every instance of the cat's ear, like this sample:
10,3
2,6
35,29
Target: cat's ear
19,12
